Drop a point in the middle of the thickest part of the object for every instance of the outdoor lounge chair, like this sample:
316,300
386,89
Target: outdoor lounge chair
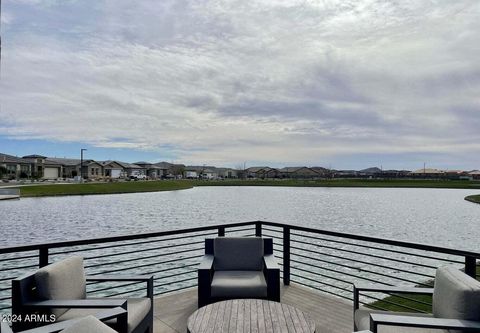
60,289
456,307
238,267
89,324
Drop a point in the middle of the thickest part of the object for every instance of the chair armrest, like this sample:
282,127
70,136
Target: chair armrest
125,278
206,263
79,303
385,289
205,275
270,262
59,326
377,319
272,276
405,290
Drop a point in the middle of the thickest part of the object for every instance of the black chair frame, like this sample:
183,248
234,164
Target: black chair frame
25,302
271,271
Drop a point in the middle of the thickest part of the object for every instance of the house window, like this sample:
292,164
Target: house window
96,171
92,171
11,169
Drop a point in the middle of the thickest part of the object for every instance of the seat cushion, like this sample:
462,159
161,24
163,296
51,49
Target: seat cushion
456,295
238,253
362,320
137,309
88,324
62,280
239,284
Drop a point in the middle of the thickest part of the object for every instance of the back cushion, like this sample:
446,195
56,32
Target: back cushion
62,280
238,253
456,295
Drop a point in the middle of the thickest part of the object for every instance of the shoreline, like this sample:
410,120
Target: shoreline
172,185
473,198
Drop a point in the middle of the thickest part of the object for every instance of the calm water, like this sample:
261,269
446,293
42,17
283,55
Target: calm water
438,216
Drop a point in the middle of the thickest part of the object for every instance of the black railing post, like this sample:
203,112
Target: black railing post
286,256
43,257
471,266
221,231
258,229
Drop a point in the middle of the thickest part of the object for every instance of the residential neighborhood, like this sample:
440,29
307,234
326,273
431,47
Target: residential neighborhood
52,168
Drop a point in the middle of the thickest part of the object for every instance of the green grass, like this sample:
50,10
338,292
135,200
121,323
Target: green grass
405,183
473,198
102,188
152,186
386,303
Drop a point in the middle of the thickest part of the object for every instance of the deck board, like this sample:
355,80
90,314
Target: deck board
331,314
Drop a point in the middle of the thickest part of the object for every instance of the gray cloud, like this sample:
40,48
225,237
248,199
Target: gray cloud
226,81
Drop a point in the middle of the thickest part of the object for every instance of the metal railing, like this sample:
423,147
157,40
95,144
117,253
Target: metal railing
325,261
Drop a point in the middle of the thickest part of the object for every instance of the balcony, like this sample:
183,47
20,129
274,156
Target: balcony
318,268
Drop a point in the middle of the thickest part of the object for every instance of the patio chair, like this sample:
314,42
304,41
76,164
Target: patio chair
87,324
59,289
456,307
238,267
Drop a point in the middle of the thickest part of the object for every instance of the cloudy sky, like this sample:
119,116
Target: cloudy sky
341,84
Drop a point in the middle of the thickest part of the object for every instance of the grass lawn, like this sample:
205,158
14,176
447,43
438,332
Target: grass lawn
102,188
152,186
474,198
408,183
386,303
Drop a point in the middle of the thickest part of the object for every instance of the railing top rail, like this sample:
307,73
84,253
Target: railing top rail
119,238
387,241
411,245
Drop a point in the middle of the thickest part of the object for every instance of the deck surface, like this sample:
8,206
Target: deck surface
331,314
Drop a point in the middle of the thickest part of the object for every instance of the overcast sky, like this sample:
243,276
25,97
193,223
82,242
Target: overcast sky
341,84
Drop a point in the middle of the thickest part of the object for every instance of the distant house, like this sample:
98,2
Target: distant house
456,174
14,167
152,171
322,172
345,173
227,173
190,173
171,170
262,172
370,172
202,172
475,174
299,173
113,169
209,174
427,173
44,168
395,173
131,169
72,167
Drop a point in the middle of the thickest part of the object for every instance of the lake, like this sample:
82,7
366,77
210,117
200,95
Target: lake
438,216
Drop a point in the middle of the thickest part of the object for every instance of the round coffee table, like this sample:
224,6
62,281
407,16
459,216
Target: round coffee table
249,315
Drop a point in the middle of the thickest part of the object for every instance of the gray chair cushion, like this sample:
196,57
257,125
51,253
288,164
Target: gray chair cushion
362,320
238,253
88,324
137,309
62,280
239,284
456,295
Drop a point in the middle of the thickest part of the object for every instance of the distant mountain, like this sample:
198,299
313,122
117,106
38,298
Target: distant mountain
371,170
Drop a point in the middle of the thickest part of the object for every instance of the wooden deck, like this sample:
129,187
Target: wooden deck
331,315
